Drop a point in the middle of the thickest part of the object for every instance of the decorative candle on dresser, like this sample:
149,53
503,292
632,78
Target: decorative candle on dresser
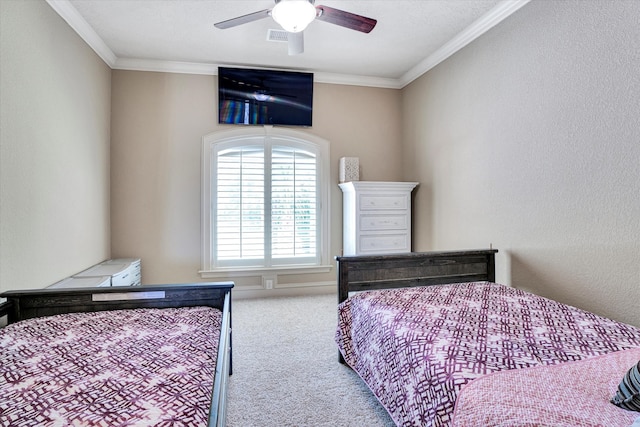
376,217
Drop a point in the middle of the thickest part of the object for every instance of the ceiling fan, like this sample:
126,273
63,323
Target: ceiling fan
295,15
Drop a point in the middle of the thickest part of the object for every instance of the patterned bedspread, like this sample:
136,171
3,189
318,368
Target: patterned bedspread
572,394
138,367
416,347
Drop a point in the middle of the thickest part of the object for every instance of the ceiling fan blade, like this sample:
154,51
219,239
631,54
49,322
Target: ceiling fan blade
244,19
345,19
295,42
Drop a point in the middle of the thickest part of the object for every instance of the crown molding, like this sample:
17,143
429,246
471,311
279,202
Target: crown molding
492,18
356,80
65,9
133,64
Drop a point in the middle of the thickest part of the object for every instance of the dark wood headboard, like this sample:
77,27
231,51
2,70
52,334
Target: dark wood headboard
361,273
25,304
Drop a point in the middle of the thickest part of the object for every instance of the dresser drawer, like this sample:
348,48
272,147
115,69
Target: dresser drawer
383,222
384,243
379,202
123,278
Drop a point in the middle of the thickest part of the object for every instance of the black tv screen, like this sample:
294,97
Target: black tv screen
264,97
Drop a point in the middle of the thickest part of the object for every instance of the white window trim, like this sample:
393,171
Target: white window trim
208,271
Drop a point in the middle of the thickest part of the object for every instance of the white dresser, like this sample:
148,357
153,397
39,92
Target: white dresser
112,272
83,282
376,217
123,271
134,269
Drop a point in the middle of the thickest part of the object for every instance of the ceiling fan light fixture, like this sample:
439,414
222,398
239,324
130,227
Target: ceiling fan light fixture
259,96
294,15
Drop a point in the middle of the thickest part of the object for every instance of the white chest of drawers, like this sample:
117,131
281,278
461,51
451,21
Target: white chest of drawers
376,217
123,271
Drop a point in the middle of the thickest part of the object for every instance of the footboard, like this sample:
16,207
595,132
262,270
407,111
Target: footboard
360,273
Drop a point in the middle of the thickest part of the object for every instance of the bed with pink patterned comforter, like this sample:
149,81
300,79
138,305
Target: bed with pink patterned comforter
417,347
138,367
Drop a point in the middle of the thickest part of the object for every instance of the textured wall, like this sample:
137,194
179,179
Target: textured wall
529,139
54,149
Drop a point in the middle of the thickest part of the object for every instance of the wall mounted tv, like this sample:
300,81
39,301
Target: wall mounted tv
264,97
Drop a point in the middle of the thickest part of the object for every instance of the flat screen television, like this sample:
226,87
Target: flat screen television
264,97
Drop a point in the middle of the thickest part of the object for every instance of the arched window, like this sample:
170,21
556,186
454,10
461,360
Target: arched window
265,200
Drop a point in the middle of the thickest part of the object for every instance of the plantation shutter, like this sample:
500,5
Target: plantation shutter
266,206
293,203
240,204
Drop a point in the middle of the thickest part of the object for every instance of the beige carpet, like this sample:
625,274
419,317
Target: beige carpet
286,370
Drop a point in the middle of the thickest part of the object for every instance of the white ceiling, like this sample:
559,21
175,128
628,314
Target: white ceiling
411,36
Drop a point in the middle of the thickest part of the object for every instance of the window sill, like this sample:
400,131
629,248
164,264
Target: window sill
254,271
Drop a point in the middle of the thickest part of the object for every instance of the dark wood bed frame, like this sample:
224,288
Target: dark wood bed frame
371,272
32,303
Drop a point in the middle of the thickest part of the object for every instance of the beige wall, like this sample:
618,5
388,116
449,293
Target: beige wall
529,139
158,121
54,149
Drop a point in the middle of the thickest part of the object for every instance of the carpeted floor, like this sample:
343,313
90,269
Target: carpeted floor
286,370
